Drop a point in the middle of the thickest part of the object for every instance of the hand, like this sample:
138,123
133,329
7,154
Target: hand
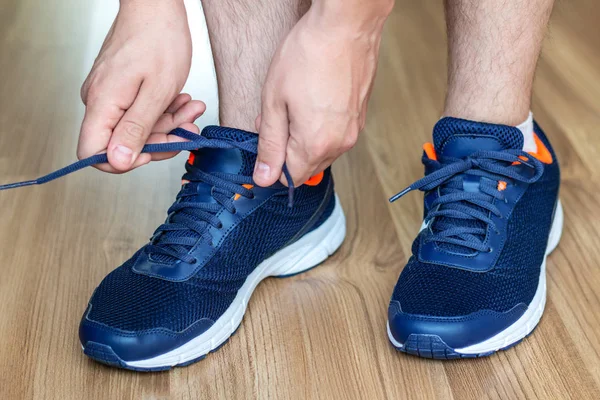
315,97
132,92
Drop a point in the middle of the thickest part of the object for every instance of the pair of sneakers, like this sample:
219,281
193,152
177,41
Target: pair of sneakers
475,282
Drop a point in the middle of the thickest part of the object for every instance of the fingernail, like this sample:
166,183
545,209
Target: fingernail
262,170
123,154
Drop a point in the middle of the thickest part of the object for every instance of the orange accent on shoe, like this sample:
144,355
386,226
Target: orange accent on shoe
430,151
191,159
247,186
315,179
522,158
184,181
501,185
542,153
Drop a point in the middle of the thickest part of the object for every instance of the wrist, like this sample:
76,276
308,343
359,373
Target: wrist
357,16
150,3
141,10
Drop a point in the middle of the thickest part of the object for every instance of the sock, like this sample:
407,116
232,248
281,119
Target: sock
526,128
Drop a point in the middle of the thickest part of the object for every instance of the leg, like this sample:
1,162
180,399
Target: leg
244,36
493,51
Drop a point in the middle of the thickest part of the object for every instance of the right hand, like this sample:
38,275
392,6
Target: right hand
132,92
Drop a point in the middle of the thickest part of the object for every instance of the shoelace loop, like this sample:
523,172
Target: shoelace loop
456,203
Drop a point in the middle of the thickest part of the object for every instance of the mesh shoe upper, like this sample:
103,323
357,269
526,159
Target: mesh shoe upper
136,302
432,289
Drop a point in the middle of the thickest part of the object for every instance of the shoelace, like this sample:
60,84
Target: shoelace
183,215
456,203
192,218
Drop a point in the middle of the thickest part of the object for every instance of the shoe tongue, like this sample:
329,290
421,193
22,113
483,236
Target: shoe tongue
232,161
458,138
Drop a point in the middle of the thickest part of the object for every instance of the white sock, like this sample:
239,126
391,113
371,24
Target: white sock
526,128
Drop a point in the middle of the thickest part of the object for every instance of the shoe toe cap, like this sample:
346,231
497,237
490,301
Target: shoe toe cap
454,331
113,346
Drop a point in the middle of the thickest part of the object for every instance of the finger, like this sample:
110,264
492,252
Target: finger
272,141
105,106
133,129
179,101
322,167
97,127
298,162
184,117
154,138
96,130
143,159
165,138
188,112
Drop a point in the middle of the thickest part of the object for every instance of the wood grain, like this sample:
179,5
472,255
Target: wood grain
317,335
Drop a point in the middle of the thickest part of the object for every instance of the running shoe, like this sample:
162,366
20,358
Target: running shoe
476,280
184,293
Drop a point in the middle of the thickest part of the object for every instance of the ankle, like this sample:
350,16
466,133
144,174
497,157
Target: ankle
488,114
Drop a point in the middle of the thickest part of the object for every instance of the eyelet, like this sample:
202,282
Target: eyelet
220,226
234,211
490,250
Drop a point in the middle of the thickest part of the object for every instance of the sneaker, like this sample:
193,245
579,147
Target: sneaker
476,280
184,293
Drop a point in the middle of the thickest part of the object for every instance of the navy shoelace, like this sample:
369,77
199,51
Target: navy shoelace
455,205
188,218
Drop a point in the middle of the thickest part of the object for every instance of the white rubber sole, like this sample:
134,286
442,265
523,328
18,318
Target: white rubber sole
529,320
311,250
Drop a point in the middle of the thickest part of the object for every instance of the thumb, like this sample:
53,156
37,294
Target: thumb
273,136
132,131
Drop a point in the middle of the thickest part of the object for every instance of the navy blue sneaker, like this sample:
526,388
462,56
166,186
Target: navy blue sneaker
476,280
184,293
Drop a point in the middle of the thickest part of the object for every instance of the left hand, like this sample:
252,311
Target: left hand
314,99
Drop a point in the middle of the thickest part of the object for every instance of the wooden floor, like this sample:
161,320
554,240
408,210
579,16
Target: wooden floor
317,335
